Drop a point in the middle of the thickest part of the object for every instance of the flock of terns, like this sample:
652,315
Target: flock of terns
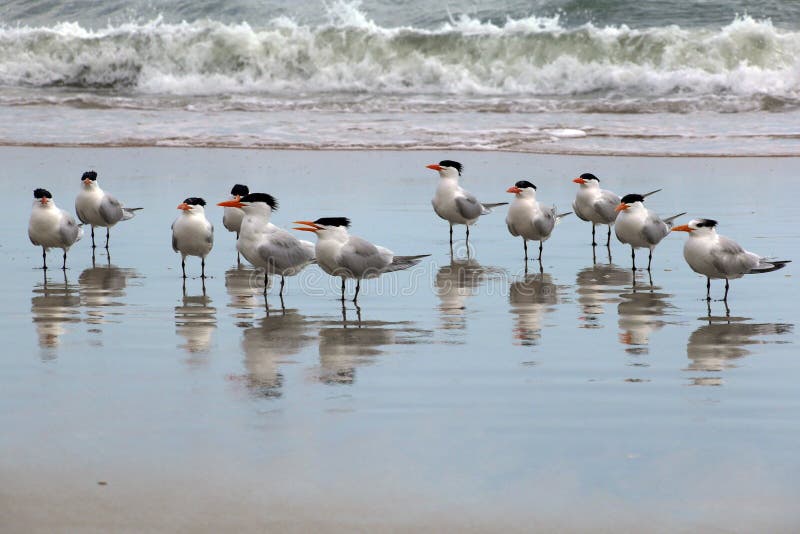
343,255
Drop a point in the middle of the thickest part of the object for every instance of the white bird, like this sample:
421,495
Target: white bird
192,233
640,227
265,245
452,202
530,219
232,217
51,227
597,205
716,256
98,208
348,256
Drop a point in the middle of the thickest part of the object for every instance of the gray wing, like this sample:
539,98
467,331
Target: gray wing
606,205
544,225
210,235
654,229
110,209
69,230
284,251
469,207
728,257
359,256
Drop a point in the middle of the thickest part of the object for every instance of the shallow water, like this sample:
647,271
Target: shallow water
464,394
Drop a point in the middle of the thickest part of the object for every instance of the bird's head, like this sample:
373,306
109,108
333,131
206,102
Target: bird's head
192,205
587,180
633,200
253,203
89,179
447,168
326,227
42,198
523,189
697,227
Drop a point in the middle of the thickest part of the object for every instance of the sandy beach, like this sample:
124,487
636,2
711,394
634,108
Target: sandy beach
467,396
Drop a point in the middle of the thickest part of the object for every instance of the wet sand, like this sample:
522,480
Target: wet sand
464,395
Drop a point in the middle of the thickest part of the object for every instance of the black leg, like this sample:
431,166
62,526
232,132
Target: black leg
594,243
358,287
183,267
282,282
93,245
44,258
708,289
451,236
202,267
633,258
467,237
343,289
541,244
266,279
649,259
525,244
238,257
64,267
727,285
108,232
608,241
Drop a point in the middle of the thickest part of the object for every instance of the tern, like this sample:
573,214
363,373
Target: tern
265,245
232,217
347,256
51,227
597,205
452,202
192,233
640,227
530,219
98,208
716,256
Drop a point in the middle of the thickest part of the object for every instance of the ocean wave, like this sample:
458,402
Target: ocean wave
747,64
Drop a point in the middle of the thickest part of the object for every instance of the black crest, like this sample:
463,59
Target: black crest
41,193
706,223
523,184
261,197
334,221
91,175
633,197
240,190
450,163
195,201
589,176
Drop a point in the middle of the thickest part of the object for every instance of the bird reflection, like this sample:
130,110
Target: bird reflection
599,285
714,346
195,322
530,299
267,345
245,287
54,304
343,349
641,312
454,283
101,287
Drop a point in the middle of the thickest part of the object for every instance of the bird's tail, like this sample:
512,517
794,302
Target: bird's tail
487,208
129,213
767,266
651,193
669,220
404,262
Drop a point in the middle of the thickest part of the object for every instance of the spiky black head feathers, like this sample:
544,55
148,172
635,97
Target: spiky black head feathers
706,223
523,184
195,201
589,176
41,193
631,198
334,221
240,190
450,163
261,197
90,175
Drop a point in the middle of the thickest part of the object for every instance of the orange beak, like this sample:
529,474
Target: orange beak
184,206
314,226
235,203
621,207
87,181
43,200
514,189
434,166
579,180
682,228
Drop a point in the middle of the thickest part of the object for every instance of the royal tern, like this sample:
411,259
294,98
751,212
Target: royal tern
530,219
452,202
98,208
192,233
232,217
716,256
640,227
265,245
597,205
347,256
51,227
